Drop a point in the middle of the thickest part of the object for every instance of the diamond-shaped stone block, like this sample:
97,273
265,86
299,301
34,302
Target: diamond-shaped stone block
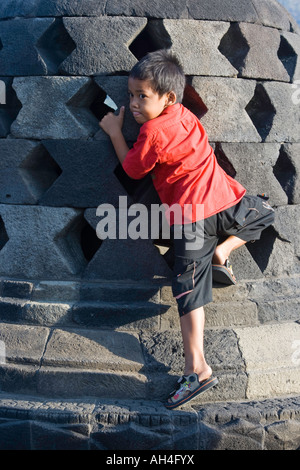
226,96
43,242
19,55
55,108
254,165
26,171
287,171
87,178
253,50
290,54
196,45
33,46
101,44
117,259
286,124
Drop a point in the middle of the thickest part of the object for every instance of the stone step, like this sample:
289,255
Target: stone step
34,423
143,306
250,362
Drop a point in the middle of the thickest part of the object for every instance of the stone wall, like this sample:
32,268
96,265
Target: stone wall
86,306
60,60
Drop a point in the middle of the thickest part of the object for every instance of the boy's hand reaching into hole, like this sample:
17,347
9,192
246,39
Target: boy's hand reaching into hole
112,124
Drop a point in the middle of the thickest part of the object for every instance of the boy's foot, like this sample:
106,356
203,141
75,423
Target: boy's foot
223,273
188,388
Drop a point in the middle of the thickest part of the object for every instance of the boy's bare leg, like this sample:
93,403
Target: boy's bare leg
223,250
192,328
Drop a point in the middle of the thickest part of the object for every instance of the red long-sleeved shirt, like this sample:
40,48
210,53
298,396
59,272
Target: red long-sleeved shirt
175,148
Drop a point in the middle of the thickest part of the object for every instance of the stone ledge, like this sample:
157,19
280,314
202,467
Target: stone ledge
251,362
31,423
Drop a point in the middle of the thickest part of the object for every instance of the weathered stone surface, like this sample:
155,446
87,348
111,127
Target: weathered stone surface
265,425
196,45
27,171
290,54
13,8
100,48
23,344
285,225
253,164
102,319
94,349
272,13
118,315
223,10
19,55
243,47
83,185
29,424
287,171
33,46
55,108
271,357
285,127
149,264
220,94
42,242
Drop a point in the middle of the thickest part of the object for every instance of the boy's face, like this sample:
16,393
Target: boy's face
145,103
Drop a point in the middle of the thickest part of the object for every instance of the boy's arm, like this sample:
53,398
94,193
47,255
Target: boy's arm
112,125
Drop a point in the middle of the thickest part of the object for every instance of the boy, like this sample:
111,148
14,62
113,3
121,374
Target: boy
173,146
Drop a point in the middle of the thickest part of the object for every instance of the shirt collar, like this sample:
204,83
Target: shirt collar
171,109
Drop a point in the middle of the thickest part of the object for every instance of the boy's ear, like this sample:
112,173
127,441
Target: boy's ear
171,97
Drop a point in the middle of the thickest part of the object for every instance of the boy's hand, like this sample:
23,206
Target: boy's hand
112,124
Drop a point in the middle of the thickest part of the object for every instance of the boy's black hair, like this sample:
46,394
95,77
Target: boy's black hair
164,72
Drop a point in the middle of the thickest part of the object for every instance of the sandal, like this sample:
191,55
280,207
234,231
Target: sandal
188,388
223,273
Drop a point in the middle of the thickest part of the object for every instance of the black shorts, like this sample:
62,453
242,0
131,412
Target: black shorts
192,272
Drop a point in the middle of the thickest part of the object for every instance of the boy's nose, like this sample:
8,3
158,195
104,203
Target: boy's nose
133,103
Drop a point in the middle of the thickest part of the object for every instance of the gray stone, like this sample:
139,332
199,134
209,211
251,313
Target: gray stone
224,10
94,349
290,55
42,242
243,48
23,344
11,309
220,94
117,315
46,313
17,289
28,46
272,13
28,8
100,48
27,171
263,347
254,165
148,265
285,225
81,185
68,382
283,435
55,108
287,171
153,9
285,127
196,43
